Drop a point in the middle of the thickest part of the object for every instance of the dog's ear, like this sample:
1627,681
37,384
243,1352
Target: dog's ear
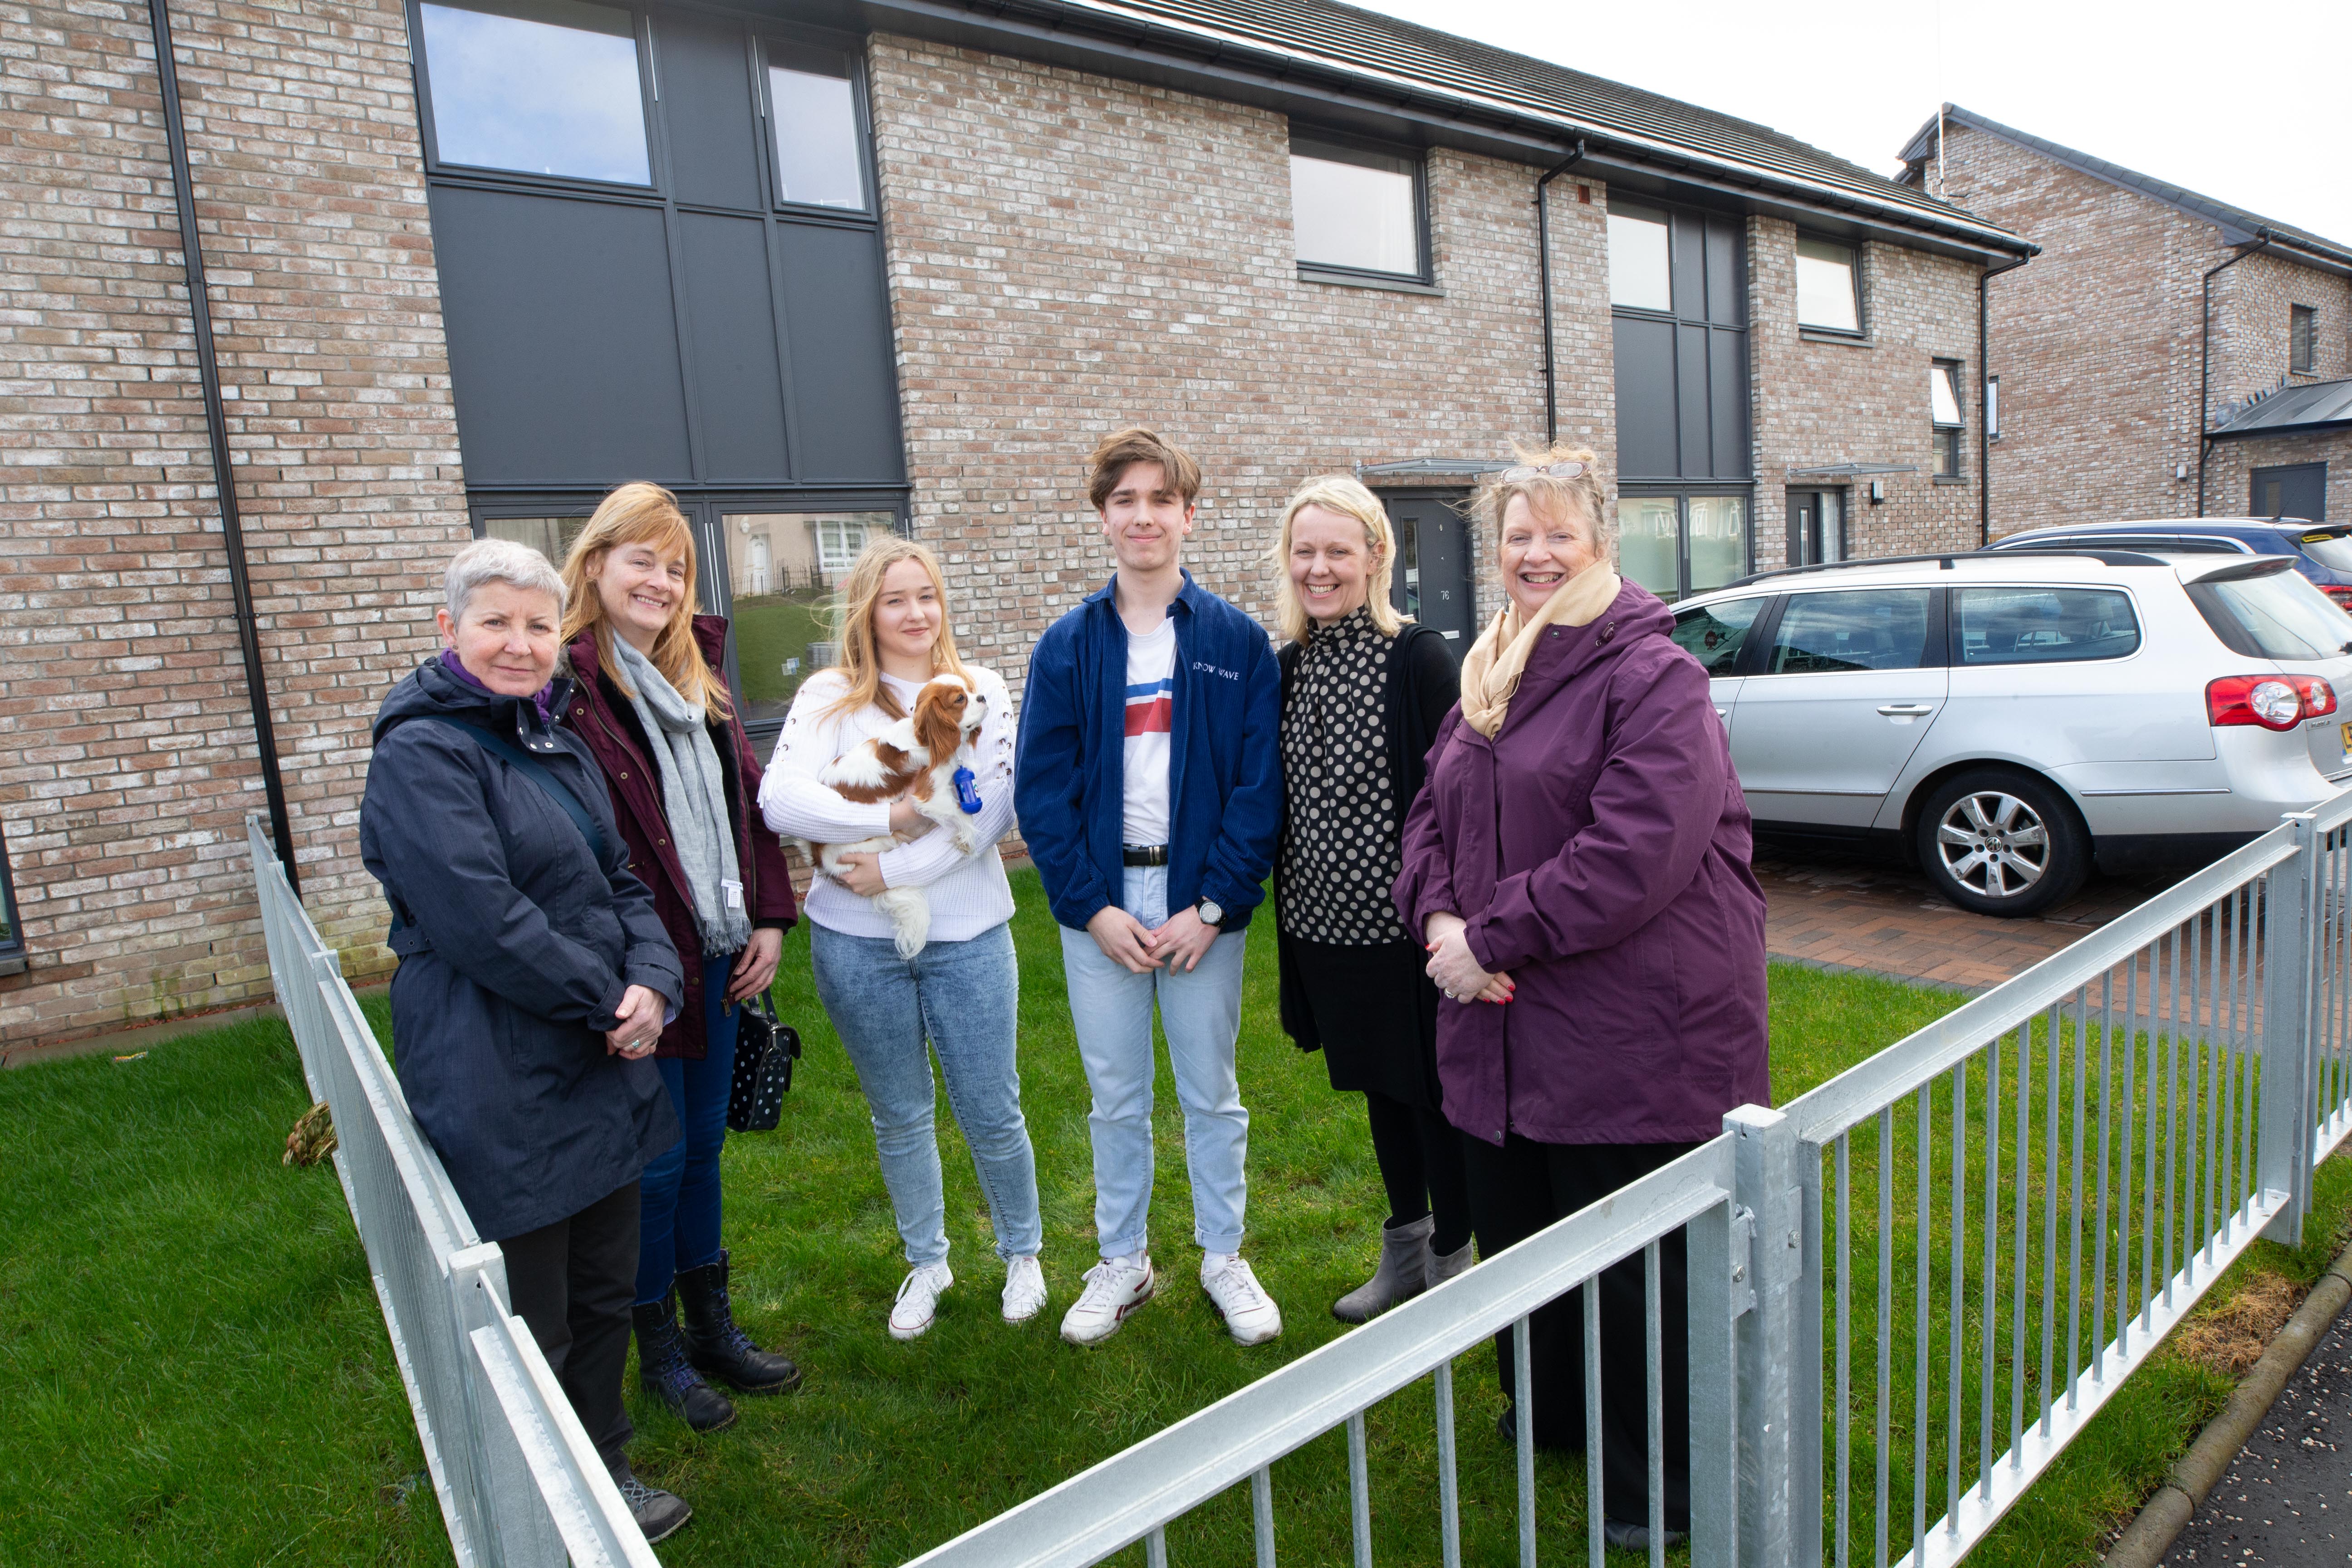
894,768
939,719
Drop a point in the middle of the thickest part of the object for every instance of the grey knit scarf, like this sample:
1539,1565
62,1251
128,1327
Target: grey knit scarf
694,798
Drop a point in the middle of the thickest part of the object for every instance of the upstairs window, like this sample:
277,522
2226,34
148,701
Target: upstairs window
539,87
1829,292
2303,339
1355,211
1641,277
813,105
1944,416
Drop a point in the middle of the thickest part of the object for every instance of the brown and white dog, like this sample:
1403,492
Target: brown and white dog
916,757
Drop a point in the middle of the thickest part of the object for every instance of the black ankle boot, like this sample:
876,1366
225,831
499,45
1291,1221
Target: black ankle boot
663,1368
715,1345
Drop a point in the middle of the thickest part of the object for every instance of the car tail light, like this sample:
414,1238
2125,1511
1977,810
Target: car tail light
2341,595
2273,702
2318,697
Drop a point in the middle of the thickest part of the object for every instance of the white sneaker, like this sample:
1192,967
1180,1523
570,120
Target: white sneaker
1115,1286
918,1300
1025,1290
1250,1314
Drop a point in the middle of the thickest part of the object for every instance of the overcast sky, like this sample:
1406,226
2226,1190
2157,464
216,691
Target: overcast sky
2243,100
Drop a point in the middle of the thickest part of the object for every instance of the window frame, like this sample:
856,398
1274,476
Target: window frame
763,35
1423,277
1861,328
1951,436
2303,340
648,106
1682,495
13,957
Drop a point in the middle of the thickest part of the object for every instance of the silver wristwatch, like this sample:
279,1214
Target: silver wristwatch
1212,912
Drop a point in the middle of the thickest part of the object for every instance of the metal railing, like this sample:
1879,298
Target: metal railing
1929,1272
518,1481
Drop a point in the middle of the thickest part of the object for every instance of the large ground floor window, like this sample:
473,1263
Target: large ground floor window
770,564
1682,543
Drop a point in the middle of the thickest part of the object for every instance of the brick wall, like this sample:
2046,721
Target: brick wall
132,765
2098,342
1112,252
1820,399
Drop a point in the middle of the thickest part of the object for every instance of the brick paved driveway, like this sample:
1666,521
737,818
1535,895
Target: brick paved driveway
1855,913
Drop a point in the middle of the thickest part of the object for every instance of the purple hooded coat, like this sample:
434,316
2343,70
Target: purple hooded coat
1599,847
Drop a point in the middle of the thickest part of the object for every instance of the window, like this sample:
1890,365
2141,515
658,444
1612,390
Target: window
1868,628
1944,416
1640,276
2273,614
2303,339
1714,634
540,87
1677,545
781,572
1828,286
1992,408
1355,211
813,106
12,934
550,536
2041,626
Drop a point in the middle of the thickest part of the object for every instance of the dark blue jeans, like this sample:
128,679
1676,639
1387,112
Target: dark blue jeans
678,1225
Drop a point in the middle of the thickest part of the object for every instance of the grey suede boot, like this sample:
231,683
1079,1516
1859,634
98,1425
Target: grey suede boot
1440,1269
1403,1272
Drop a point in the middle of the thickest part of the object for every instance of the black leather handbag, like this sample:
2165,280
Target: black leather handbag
765,1050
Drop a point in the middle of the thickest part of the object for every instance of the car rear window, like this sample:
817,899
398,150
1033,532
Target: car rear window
1714,634
1869,628
2278,614
2331,549
2042,626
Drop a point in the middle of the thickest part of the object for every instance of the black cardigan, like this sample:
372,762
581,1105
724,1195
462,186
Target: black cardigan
1427,687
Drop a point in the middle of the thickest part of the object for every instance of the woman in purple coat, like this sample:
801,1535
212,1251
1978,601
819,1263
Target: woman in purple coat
1578,866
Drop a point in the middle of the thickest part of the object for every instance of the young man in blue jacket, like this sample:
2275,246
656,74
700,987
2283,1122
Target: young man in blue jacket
1149,792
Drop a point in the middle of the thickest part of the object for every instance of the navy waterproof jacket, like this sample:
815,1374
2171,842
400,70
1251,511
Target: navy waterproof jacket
518,944
1225,763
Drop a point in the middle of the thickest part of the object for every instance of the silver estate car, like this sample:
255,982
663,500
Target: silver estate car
2008,719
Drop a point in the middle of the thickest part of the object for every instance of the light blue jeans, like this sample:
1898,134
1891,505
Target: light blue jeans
964,998
1201,1011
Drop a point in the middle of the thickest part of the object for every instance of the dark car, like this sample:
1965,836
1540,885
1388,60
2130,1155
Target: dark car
2322,552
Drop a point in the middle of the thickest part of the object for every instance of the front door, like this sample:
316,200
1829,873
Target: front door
1431,582
1816,527
2297,489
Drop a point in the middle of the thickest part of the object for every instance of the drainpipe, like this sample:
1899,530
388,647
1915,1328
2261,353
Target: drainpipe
248,634
2263,237
1984,399
1543,285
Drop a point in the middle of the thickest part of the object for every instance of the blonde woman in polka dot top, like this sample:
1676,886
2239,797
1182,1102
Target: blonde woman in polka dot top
1363,694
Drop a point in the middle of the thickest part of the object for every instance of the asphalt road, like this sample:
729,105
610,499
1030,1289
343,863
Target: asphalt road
2287,1498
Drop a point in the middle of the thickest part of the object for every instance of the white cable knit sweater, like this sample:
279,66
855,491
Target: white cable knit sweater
969,893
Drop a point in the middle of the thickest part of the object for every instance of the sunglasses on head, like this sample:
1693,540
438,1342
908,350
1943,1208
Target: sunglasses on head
1557,470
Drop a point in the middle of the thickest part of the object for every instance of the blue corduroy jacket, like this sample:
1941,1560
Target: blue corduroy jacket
1224,766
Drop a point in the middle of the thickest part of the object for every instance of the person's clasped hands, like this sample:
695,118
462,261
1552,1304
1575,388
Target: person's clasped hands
1456,969
640,1026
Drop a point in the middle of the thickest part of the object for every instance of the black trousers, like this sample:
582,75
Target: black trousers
1420,1156
1517,1189
573,1282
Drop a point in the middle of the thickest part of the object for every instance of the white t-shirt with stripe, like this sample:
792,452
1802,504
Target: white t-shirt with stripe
1151,705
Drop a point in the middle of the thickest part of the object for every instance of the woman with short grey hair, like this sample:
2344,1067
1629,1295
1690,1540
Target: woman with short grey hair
534,976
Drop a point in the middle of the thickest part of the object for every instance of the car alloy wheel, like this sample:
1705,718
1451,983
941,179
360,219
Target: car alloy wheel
1993,844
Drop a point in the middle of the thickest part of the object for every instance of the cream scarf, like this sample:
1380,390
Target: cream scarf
1491,670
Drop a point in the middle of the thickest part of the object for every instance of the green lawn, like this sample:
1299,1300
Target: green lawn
193,1368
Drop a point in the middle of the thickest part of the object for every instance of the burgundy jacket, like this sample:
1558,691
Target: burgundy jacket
1599,847
607,720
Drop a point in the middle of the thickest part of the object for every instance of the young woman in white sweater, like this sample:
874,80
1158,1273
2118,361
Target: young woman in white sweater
960,994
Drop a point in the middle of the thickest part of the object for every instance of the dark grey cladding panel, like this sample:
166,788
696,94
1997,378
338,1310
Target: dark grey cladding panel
1646,399
837,322
1726,274
563,344
739,387
707,104
1691,400
1728,391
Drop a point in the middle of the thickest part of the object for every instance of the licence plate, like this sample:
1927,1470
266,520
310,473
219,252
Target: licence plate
2348,739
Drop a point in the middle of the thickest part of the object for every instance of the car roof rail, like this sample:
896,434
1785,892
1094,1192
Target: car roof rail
1945,559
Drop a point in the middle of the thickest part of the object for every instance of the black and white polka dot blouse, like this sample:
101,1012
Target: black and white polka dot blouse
1340,855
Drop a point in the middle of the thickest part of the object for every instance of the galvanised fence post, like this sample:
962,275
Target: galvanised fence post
2289,922
1769,1207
